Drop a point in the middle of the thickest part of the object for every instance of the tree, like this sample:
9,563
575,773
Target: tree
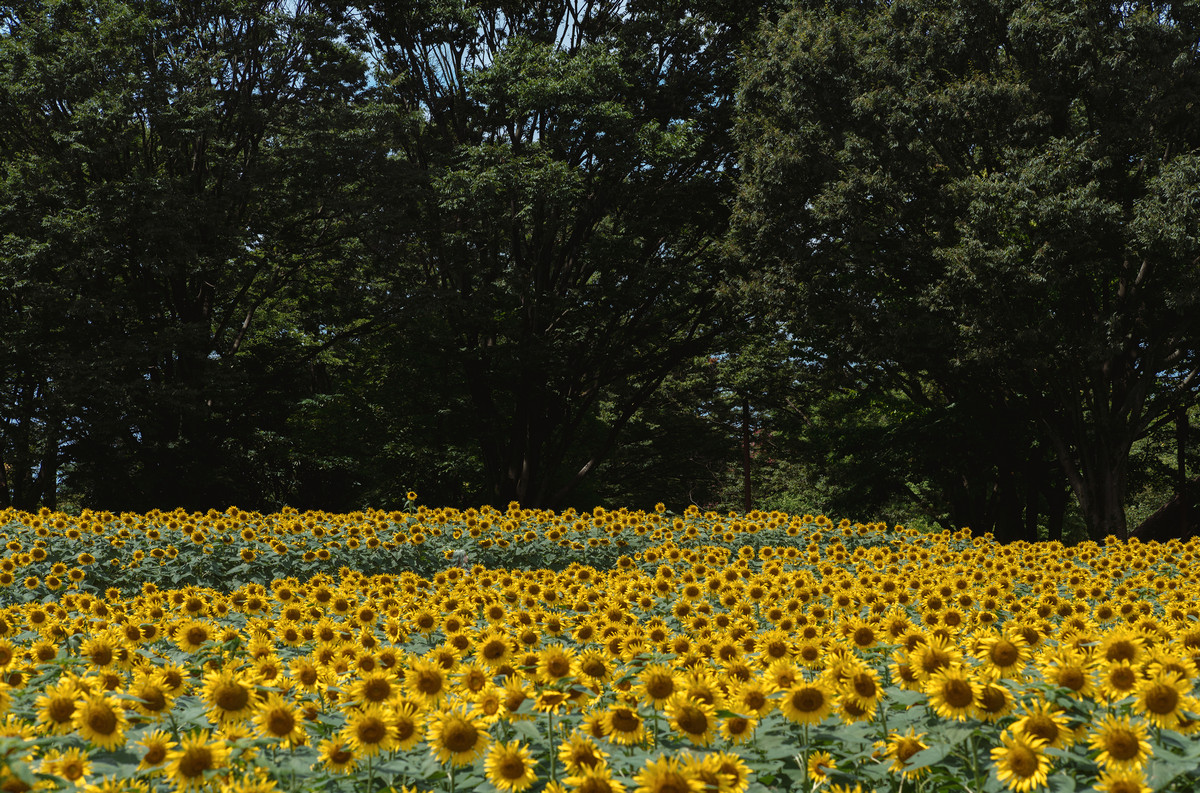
567,169
1004,195
178,175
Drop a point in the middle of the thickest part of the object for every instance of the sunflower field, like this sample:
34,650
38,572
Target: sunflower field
603,652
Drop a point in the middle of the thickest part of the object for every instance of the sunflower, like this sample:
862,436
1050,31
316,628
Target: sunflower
228,697
337,756
375,688
100,650
190,764
1041,720
407,722
807,702
737,729
900,748
509,766
862,686
1122,745
1070,669
666,775
99,718
751,697
580,752
1118,679
427,682
367,731
494,648
515,694
1122,644
1004,654
820,764
693,719
1020,763
554,662
191,634
71,764
156,744
732,770
657,683
56,708
593,668
1162,699
932,655
152,696
277,718
307,674
456,736
593,779
623,724
1122,782
952,694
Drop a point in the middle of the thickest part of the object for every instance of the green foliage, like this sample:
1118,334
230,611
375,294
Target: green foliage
996,199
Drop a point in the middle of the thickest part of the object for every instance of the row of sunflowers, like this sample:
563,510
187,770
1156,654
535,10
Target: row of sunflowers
711,653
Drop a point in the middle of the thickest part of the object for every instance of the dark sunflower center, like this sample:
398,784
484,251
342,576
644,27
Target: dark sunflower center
281,723
195,761
625,720
808,700
459,736
371,731
692,720
102,720
232,697
1161,699
1022,762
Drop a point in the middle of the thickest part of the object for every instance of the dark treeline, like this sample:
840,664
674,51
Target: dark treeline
927,261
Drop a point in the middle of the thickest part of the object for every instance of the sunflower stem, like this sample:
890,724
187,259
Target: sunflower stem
550,742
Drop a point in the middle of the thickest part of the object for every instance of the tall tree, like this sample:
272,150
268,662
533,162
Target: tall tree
569,172
1002,194
176,171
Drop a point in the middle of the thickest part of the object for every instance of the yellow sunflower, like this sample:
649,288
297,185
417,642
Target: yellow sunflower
193,762
593,779
509,766
1021,764
1005,654
367,731
55,708
1122,744
692,719
456,736
427,682
623,724
1118,679
1122,782
374,688
157,744
277,718
581,752
152,695
1162,699
666,775
807,702
336,755
657,683
1045,722
900,748
99,718
228,697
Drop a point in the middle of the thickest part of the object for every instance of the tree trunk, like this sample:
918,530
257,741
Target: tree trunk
746,492
1177,519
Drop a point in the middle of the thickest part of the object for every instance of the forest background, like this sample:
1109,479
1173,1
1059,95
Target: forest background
929,262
